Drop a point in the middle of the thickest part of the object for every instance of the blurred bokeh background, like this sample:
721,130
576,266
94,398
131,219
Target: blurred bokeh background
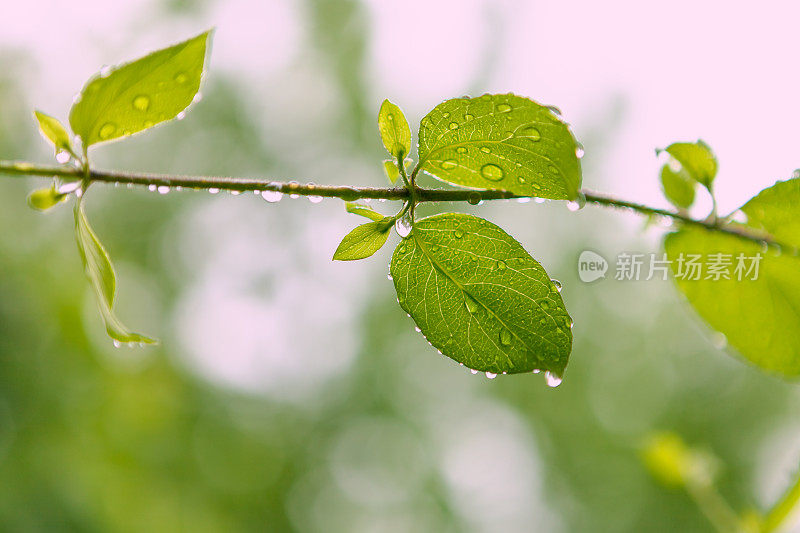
291,393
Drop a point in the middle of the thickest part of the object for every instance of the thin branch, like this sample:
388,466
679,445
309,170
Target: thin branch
219,183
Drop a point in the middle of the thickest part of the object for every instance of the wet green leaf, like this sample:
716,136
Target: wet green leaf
364,240
52,130
395,133
678,187
101,276
480,298
363,210
138,95
697,160
759,317
44,199
501,141
776,210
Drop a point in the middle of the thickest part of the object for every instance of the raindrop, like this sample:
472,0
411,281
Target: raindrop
719,340
503,108
213,190
579,151
474,198
197,97
557,284
458,234
105,71
485,149
473,370
389,276
181,115
501,265
492,172
315,199
468,117
151,188
491,375
236,193
107,130
551,379
416,328
461,150
505,337
573,206
403,226
530,133
453,125
539,200
523,200
272,196
117,344
472,305
141,102
163,189
63,157
449,164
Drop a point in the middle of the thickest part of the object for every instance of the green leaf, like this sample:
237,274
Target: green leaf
363,210
394,130
777,211
138,95
102,278
53,131
678,187
697,160
44,199
364,240
759,317
391,170
480,298
501,141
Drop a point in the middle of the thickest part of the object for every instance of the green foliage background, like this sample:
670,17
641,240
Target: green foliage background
97,439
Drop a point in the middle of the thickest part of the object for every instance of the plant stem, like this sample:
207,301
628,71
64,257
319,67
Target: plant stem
716,509
22,169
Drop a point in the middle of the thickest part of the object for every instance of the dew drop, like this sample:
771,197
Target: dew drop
491,375
719,340
63,157
236,193
472,305
401,249
272,196
468,117
551,379
474,198
389,277
213,190
573,206
503,108
181,115
523,200
557,284
473,370
151,188
458,234
117,344
579,151
105,71
141,102
416,328
453,125
107,130
461,150
449,164
492,172
485,149
163,189
314,199
529,132
505,337
501,265
403,226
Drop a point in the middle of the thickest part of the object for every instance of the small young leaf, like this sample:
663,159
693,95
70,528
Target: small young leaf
138,95
391,170
102,278
364,240
501,141
53,131
480,298
697,160
677,187
44,199
394,130
363,210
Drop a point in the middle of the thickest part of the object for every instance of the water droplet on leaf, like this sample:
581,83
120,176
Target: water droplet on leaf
272,196
107,130
492,172
505,337
551,379
141,102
